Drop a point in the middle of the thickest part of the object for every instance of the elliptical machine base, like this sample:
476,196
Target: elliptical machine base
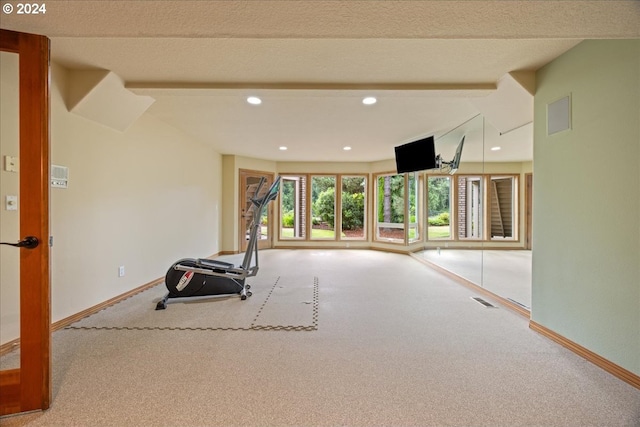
190,277
183,281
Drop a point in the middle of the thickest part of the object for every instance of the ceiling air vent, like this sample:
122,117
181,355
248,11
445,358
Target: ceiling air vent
59,176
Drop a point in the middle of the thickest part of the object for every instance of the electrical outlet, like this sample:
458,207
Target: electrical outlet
121,271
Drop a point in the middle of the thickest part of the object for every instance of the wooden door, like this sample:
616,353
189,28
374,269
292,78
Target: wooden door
28,387
248,183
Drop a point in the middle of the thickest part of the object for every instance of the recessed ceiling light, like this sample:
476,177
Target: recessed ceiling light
347,148
496,148
369,100
282,148
254,100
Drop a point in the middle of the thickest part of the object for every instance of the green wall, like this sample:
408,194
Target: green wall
586,217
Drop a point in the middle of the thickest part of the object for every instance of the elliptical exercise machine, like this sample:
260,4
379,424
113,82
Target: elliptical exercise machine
191,277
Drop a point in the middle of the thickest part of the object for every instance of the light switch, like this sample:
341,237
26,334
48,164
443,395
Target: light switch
11,203
10,164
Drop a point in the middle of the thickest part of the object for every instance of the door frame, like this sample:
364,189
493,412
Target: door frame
28,387
243,174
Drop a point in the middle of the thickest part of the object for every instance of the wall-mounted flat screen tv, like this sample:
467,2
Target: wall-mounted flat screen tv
416,156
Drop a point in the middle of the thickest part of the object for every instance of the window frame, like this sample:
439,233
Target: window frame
417,225
515,206
452,208
302,205
310,203
376,222
365,222
481,210
307,206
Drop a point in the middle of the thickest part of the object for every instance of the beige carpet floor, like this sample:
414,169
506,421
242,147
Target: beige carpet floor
278,302
390,342
506,273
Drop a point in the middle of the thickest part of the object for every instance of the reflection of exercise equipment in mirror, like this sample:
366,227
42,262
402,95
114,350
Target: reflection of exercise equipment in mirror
192,277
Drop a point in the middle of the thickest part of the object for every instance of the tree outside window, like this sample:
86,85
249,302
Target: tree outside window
390,207
353,207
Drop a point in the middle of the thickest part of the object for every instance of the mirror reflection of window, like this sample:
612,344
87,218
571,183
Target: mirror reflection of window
503,207
439,208
469,213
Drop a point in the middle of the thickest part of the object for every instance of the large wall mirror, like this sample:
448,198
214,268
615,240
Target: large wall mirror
477,225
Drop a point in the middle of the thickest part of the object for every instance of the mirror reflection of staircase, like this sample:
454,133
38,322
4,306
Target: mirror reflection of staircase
501,207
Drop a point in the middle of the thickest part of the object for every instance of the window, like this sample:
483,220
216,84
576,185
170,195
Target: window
470,207
313,207
439,207
503,206
459,207
412,206
353,207
323,207
293,207
390,207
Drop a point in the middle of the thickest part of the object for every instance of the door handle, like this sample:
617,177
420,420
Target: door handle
29,242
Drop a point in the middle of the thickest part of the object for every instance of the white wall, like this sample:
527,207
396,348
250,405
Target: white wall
586,217
141,199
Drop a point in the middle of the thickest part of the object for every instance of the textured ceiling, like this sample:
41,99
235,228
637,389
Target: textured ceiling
466,19
313,61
